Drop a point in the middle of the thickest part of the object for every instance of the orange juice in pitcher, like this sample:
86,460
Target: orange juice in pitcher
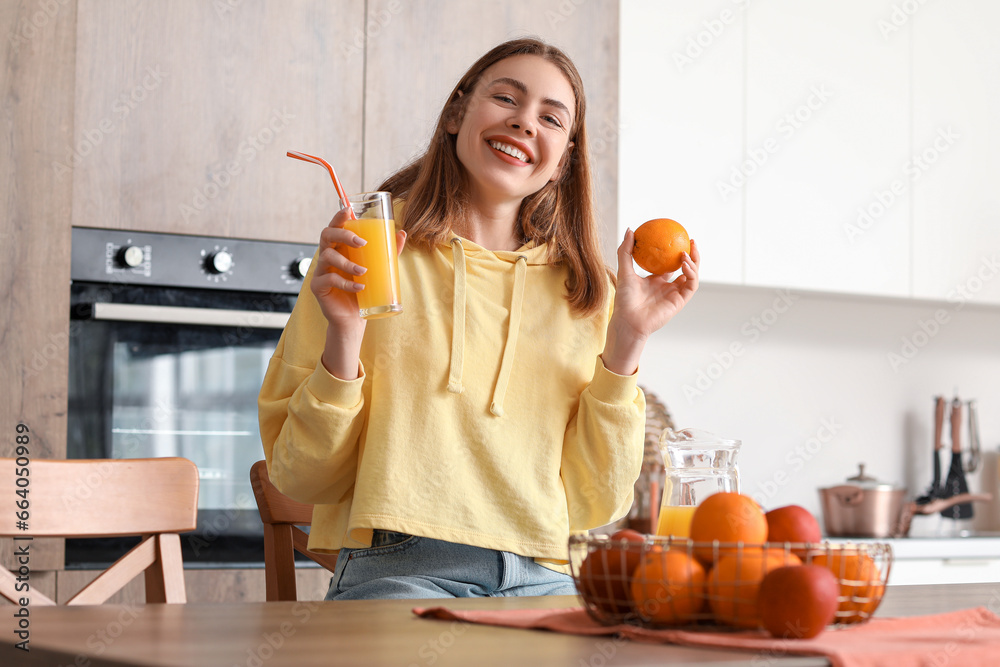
698,464
675,520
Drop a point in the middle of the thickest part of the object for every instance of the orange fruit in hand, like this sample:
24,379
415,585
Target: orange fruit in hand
793,523
669,587
660,245
727,517
734,582
605,575
861,586
798,601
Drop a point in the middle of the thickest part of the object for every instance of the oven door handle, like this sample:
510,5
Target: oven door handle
213,317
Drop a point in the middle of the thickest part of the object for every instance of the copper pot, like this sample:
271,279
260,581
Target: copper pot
864,507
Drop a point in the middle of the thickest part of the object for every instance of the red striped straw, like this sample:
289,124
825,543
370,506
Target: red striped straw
344,202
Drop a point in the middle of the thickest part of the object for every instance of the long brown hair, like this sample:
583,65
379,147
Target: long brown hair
560,214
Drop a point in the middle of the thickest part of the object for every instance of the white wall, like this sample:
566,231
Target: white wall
812,391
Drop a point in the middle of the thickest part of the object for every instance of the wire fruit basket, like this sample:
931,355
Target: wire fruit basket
674,582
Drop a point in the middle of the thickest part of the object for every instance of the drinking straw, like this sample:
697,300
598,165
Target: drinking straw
333,174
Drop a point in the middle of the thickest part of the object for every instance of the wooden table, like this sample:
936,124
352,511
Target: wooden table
373,633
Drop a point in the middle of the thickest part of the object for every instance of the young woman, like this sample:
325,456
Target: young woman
452,449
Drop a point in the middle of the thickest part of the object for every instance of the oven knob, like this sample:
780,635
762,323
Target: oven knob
300,267
129,256
219,262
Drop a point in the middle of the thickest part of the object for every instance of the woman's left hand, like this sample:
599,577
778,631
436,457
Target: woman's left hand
643,305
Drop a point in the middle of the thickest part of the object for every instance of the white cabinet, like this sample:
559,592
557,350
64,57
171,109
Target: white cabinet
845,147
939,560
956,143
915,572
681,115
827,138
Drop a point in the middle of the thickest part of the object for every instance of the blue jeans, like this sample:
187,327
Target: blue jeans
406,566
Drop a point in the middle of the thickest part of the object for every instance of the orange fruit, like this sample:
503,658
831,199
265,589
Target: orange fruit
793,523
861,586
734,582
660,245
798,601
669,587
727,517
606,573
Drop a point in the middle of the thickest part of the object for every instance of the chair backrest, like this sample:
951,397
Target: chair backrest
153,498
281,517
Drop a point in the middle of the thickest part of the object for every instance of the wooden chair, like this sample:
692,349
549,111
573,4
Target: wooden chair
153,498
282,517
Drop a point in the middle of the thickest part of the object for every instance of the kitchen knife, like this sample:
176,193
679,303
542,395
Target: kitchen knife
975,446
956,483
935,491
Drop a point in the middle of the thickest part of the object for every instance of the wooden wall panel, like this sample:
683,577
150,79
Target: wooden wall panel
185,109
36,85
418,50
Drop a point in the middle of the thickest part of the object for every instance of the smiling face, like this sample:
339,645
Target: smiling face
514,133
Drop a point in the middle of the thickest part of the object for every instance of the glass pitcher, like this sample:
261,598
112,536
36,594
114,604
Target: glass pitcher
698,464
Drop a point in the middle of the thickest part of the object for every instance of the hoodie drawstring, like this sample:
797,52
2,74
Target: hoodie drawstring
458,319
513,327
458,327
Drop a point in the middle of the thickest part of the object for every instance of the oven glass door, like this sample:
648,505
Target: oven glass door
155,389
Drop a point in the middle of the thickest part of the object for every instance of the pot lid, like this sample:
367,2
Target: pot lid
867,481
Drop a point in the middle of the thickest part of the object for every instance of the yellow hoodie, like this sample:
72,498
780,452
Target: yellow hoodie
483,414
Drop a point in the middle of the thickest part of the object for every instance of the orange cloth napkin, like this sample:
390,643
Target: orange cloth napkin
966,638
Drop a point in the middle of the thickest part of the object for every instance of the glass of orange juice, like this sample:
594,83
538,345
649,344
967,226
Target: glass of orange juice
698,464
380,296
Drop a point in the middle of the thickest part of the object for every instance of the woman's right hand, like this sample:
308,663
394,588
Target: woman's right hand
332,281
336,292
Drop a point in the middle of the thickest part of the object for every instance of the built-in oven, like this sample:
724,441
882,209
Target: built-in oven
170,338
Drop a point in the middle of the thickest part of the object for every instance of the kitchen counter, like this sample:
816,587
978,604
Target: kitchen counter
936,599
945,560
904,548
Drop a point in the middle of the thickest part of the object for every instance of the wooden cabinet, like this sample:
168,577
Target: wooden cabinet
956,140
417,50
37,89
184,112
